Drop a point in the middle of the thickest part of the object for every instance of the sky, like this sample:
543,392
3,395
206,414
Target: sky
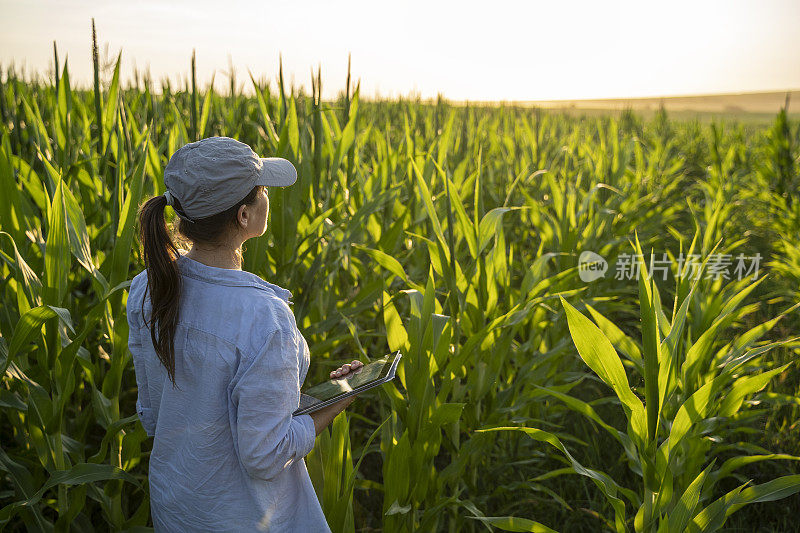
494,50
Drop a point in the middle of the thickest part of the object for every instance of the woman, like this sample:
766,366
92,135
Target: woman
218,356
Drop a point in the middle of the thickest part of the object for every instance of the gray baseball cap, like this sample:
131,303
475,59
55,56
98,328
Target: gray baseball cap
213,174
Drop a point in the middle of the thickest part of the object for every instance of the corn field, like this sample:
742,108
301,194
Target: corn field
527,399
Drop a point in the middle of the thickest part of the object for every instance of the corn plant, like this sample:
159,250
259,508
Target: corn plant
451,233
692,398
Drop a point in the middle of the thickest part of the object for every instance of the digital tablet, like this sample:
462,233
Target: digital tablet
371,375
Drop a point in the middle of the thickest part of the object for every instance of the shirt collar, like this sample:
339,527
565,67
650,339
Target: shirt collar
227,276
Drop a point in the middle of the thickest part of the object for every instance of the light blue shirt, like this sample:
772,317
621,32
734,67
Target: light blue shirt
227,454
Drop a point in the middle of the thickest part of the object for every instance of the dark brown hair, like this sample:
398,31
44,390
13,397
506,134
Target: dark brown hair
160,259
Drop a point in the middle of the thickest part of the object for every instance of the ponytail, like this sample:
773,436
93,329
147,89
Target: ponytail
163,279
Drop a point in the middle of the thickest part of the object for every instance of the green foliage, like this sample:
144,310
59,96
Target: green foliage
452,234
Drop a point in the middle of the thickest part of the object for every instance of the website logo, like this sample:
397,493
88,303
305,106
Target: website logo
591,266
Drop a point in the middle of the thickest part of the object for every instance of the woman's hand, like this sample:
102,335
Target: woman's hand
346,369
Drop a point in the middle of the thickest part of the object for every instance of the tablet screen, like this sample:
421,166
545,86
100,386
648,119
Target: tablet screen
363,376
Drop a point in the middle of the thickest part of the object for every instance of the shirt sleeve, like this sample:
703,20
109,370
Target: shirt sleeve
269,438
143,407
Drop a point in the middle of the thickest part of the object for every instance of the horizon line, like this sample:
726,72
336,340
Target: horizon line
126,84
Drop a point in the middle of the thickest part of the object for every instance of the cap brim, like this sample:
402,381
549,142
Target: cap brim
276,172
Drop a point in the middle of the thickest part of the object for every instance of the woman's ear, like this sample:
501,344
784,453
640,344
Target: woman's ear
242,216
